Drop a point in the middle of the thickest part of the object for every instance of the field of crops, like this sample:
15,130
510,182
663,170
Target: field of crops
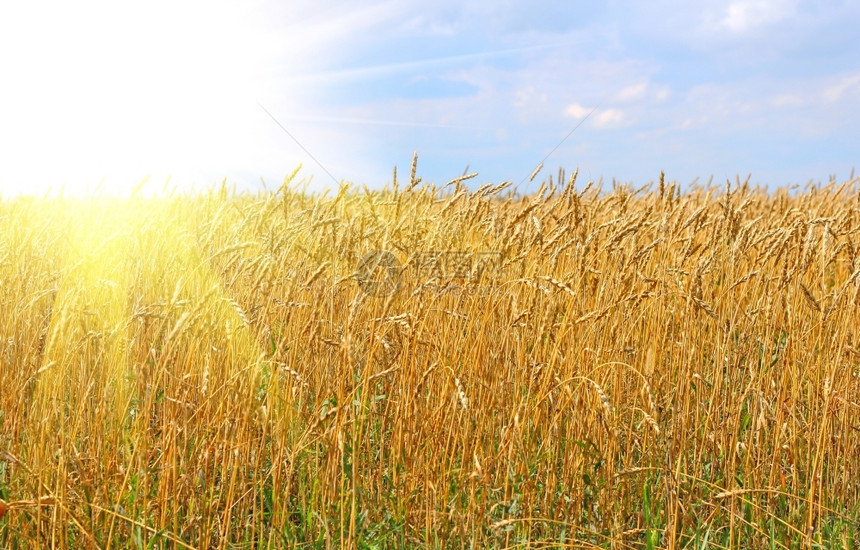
432,367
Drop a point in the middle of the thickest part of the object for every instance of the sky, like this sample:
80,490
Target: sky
106,94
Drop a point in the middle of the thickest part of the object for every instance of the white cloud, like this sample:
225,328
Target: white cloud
744,15
643,91
634,92
787,101
576,110
423,25
608,118
847,84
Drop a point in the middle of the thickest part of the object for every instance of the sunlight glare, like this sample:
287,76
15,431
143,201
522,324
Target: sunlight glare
114,93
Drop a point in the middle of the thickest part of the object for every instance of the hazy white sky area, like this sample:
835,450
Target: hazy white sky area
109,93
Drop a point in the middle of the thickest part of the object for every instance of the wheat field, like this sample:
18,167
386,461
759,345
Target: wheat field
432,366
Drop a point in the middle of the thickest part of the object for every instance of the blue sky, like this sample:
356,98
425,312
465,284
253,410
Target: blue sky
98,91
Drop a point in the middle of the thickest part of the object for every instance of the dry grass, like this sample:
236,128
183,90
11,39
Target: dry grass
638,369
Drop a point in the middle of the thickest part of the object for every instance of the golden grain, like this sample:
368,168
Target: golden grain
205,371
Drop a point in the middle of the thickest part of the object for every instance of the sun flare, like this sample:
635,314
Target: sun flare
107,95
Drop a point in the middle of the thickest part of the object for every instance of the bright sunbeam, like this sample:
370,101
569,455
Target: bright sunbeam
107,94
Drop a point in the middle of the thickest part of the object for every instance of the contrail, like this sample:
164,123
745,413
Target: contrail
540,164
381,122
377,70
299,143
